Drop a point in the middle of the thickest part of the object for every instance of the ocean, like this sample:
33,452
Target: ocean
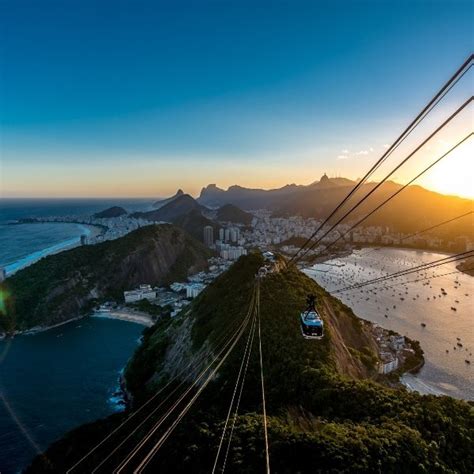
21,245
405,307
54,381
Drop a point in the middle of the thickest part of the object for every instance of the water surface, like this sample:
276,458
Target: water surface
404,307
56,380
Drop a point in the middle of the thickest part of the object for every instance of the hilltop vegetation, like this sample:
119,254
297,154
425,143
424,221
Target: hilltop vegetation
66,285
231,213
324,410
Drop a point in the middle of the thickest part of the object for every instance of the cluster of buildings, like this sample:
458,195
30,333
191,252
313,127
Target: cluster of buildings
268,231
143,292
278,232
179,294
378,235
111,228
393,349
229,246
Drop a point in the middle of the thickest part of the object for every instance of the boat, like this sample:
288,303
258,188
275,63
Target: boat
423,325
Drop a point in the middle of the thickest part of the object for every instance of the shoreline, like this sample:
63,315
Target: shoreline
122,315
68,244
141,318
37,329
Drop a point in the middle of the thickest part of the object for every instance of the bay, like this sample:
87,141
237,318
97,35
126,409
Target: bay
404,306
56,380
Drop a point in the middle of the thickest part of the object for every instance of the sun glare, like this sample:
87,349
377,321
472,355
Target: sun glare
454,175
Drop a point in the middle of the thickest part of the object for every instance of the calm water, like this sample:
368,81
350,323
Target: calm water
54,381
444,372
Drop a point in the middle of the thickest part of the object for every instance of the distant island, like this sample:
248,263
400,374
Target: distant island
114,211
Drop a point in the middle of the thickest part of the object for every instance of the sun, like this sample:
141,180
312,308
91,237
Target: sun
455,174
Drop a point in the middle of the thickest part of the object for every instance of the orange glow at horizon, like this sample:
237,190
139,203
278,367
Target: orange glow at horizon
454,176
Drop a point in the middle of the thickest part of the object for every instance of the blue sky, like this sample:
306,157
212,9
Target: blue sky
139,98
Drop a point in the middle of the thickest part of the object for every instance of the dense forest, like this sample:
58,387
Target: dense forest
325,411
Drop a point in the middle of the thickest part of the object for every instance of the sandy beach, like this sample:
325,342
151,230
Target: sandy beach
125,315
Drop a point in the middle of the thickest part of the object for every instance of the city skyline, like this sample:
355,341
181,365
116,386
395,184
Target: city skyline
110,100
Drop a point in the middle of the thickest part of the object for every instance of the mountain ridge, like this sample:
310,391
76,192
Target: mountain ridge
318,199
176,207
162,202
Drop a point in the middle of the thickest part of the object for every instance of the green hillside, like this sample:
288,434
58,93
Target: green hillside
325,411
66,285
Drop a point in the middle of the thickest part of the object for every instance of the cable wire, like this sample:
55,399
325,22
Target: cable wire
426,110
425,266
232,342
423,230
451,117
237,383
265,429
397,192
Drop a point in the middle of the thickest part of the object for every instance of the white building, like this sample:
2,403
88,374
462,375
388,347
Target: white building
193,289
388,364
232,253
178,287
141,293
208,236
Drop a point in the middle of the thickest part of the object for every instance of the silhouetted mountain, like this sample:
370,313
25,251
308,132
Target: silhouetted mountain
244,198
178,207
249,199
114,211
231,213
426,207
163,202
321,197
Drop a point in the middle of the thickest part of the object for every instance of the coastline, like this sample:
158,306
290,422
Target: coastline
89,230
123,315
37,329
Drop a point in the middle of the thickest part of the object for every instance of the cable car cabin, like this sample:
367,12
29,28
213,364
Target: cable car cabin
312,326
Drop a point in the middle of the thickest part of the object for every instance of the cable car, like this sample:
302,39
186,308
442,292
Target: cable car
312,326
